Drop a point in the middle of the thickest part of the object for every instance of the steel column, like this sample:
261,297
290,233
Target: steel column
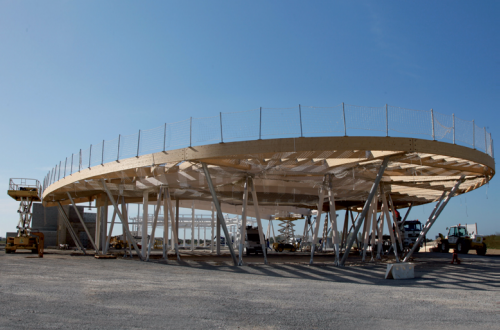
219,211
108,239
380,234
104,222
385,209
212,223
217,236
374,226
321,200
175,222
98,220
243,222
124,220
70,228
367,228
259,221
192,225
406,215
435,214
144,231
365,209
155,222
395,220
345,228
165,227
333,219
82,222
125,215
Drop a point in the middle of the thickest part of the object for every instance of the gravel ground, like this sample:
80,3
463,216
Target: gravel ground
62,291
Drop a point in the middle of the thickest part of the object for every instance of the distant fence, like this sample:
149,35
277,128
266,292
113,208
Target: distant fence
300,121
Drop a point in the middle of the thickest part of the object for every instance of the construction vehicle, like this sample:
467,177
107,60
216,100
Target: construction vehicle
118,242
287,233
462,238
410,230
25,191
252,241
280,247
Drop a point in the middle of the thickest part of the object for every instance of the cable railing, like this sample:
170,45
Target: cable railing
262,123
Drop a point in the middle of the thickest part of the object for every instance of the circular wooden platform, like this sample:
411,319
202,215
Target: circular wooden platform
287,172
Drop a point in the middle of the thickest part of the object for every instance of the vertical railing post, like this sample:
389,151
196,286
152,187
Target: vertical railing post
59,173
80,161
473,134
453,128
343,114
432,119
138,143
102,156
71,171
66,161
260,124
485,144
492,149
190,132
386,120
300,117
220,120
164,139
90,155
491,146
118,153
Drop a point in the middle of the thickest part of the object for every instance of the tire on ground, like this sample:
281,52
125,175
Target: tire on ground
482,251
462,247
445,248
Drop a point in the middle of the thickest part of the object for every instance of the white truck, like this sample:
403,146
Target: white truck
252,241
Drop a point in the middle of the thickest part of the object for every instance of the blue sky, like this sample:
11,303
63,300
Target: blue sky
75,73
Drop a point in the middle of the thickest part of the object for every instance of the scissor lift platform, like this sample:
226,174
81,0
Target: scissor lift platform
25,191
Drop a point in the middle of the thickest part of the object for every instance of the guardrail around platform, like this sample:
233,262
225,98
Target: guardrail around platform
261,123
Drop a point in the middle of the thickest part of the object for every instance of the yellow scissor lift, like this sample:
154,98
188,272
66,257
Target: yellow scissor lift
25,191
